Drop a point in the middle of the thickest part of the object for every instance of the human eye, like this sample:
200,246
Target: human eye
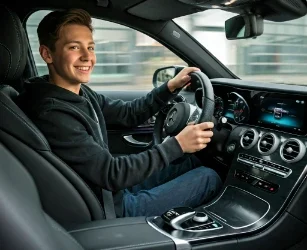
91,48
74,47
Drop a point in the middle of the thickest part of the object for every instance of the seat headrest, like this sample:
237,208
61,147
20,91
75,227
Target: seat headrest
13,46
16,123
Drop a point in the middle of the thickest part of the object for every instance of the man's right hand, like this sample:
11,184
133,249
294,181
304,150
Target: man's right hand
195,137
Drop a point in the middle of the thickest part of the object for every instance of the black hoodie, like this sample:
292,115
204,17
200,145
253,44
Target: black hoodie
75,127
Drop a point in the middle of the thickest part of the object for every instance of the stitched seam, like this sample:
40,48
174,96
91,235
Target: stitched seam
23,121
10,64
18,34
106,226
136,245
54,226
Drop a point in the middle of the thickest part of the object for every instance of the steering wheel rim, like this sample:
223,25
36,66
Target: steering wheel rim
207,108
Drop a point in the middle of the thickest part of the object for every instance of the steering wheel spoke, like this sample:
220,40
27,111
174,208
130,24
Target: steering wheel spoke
175,116
195,113
167,108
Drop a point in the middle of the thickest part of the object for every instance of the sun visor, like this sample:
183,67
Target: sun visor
284,10
273,10
152,10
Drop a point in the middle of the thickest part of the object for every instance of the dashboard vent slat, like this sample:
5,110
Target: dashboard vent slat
268,143
292,150
249,138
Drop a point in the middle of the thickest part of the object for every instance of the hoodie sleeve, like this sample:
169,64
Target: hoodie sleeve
135,112
69,140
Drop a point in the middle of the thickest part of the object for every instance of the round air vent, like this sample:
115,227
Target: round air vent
249,138
292,150
268,143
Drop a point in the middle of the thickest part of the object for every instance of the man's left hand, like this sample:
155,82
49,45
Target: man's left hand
181,79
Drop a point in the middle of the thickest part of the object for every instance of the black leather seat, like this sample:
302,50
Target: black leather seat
64,195
24,225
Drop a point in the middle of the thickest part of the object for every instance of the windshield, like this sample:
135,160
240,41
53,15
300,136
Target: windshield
279,55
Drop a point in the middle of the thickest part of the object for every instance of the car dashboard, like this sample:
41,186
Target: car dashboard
266,146
273,110
281,112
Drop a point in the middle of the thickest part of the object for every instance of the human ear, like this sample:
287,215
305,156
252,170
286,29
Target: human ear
45,54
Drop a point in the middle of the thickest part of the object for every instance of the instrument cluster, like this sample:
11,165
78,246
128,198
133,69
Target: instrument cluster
235,109
279,111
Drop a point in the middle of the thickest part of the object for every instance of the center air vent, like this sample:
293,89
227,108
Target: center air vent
292,150
249,138
268,143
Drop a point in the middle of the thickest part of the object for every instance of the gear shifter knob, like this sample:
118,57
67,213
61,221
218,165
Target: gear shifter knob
175,216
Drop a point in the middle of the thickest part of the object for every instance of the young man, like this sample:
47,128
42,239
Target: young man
73,118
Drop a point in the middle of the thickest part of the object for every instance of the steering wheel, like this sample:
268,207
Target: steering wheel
175,117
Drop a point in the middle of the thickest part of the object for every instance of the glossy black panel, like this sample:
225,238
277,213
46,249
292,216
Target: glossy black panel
238,208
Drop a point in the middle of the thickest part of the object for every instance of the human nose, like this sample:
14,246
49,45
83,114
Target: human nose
86,55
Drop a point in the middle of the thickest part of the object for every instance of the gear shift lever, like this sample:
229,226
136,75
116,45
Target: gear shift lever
175,216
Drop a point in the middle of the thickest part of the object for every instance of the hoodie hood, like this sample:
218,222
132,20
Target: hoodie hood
41,88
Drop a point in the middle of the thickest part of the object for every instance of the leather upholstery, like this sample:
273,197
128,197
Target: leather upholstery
15,122
64,195
13,46
24,225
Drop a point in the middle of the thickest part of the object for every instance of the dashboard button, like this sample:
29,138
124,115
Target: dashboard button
231,148
274,171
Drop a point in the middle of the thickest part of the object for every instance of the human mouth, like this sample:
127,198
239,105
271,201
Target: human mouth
83,69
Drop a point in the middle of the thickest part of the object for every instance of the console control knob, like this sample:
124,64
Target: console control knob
200,217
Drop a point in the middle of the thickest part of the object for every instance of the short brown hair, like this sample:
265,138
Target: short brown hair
49,28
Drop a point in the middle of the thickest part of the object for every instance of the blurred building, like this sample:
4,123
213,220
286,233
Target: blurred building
128,57
279,55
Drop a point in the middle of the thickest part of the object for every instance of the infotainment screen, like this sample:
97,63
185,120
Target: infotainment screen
282,112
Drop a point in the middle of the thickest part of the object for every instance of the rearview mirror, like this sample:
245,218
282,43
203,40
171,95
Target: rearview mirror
165,74
244,26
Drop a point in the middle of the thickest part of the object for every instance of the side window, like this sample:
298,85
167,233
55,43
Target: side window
126,58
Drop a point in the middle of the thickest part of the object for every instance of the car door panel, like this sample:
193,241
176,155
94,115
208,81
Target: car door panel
122,140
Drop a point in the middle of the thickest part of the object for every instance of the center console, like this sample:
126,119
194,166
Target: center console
266,171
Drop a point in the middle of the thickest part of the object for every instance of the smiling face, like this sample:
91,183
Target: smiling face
73,59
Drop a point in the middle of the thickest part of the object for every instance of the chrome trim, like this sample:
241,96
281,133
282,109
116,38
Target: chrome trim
194,109
269,206
203,230
300,155
175,223
275,145
266,168
274,171
179,243
201,219
242,98
134,142
256,137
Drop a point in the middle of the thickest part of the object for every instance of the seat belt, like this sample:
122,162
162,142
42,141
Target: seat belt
108,204
107,196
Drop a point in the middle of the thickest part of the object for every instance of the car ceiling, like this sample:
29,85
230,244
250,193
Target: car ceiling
163,10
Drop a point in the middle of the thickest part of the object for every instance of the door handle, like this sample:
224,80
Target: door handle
134,142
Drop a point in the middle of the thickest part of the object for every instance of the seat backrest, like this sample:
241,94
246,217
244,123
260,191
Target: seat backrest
24,225
64,195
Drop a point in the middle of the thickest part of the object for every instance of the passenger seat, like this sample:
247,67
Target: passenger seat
24,225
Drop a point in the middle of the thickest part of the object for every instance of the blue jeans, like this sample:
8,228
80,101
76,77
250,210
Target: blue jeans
181,184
